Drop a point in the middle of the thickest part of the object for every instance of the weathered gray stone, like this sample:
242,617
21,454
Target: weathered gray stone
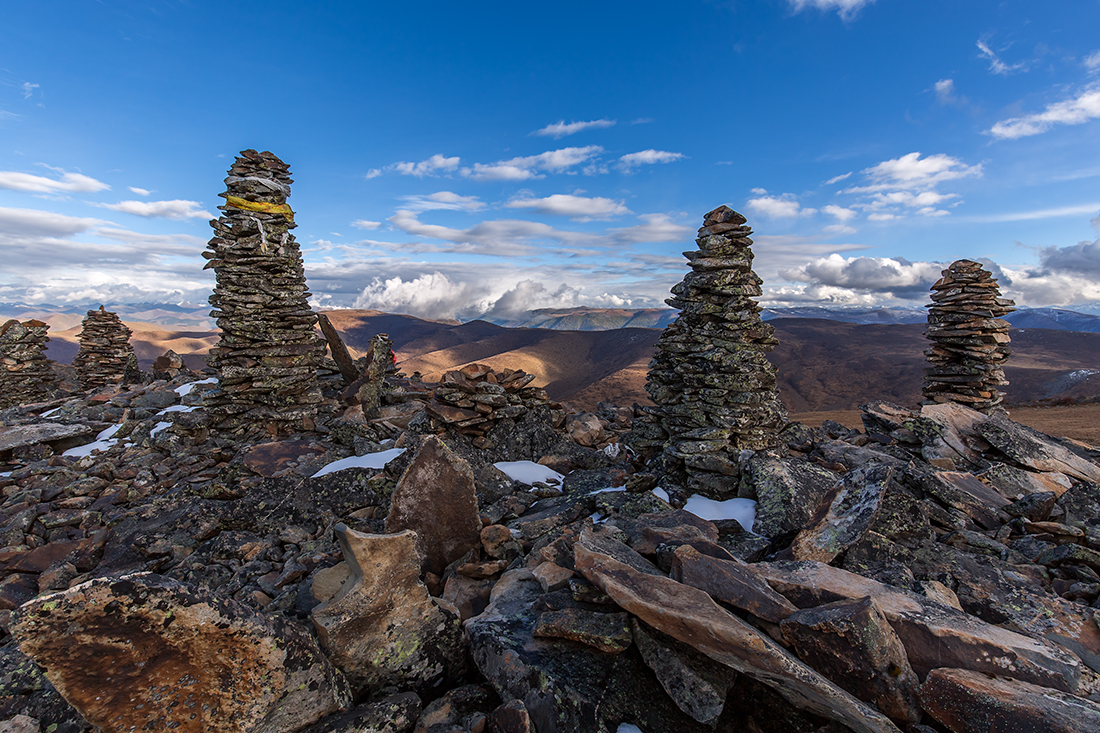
845,515
787,492
25,373
105,350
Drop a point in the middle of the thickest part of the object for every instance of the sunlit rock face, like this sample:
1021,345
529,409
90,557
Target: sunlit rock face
714,389
268,354
969,338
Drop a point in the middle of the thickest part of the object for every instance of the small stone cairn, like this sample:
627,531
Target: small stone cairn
25,373
268,354
969,338
713,388
471,400
105,356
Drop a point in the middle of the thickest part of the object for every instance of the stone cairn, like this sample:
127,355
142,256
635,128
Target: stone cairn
105,356
471,400
268,354
969,338
25,373
713,388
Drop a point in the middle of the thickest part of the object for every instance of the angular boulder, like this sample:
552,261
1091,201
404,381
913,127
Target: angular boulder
786,492
845,514
144,652
382,628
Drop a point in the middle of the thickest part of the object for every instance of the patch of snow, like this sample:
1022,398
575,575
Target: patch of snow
51,413
743,510
5,474
628,728
177,408
371,460
609,488
158,427
185,389
86,450
528,472
598,518
660,493
611,450
109,432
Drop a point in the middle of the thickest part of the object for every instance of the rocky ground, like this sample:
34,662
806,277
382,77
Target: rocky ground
935,571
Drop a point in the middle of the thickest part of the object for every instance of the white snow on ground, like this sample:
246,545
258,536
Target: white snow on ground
371,460
158,427
177,408
609,488
6,474
51,413
185,389
528,472
743,510
660,493
103,441
628,728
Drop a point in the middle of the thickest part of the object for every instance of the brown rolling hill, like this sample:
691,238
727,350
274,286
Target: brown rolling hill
823,365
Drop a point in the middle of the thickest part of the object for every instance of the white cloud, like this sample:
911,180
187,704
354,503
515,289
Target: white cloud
995,64
784,206
28,89
365,224
1092,61
883,217
579,208
427,296
655,228
847,9
560,129
70,182
432,167
529,295
631,161
912,172
174,209
1082,108
896,277
945,91
532,166
444,200
35,223
837,179
839,212
838,229
139,191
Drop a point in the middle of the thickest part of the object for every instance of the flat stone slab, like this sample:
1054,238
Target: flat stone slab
23,435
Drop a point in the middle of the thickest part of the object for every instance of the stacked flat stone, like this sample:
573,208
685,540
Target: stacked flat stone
25,373
970,341
714,389
471,400
268,354
105,351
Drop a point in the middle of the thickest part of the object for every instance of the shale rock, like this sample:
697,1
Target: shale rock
143,651
714,391
268,353
25,373
105,352
969,338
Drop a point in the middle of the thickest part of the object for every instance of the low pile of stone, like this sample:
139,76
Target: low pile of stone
268,354
169,365
714,389
471,400
25,373
969,338
105,356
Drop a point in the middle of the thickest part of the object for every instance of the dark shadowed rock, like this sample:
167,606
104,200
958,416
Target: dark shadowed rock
608,632
382,628
845,515
436,498
972,702
142,651
390,714
731,582
853,644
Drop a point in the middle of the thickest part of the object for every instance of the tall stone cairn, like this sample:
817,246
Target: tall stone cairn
268,354
25,373
105,351
713,388
969,338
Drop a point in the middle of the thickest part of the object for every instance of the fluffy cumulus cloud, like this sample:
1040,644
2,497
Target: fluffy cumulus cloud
911,172
577,208
175,209
839,212
560,129
847,9
434,166
1074,111
883,276
784,206
630,161
427,296
66,183
529,295
532,166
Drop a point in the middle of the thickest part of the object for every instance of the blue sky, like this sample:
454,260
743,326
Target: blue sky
464,158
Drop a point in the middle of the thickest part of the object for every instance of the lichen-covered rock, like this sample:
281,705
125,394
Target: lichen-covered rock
714,391
143,651
25,373
969,338
268,353
105,352
382,628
